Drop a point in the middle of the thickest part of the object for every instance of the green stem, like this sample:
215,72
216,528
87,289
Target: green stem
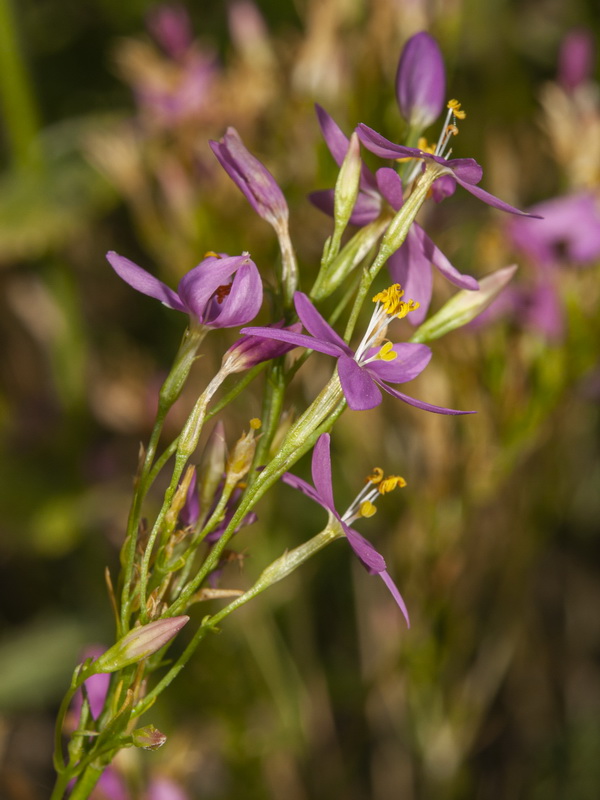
16,94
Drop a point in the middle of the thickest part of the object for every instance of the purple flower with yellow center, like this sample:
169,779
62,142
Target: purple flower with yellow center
411,264
464,171
221,292
363,506
421,81
252,178
375,362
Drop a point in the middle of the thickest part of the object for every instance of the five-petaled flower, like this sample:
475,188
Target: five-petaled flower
464,171
322,493
410,265
375,362
221,292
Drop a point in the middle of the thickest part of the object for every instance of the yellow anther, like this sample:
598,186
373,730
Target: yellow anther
367,509
458,112
424,145
390,483
451,130
211,254
375,476
391,300
255,423
387,352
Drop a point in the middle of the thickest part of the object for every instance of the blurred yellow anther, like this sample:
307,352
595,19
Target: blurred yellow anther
390,483
255,423
452,130
211,253
424,145
387,352
375,476
367,509
458,112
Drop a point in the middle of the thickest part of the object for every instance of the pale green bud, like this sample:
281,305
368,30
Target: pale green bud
139,643
464,306
346,187
148,738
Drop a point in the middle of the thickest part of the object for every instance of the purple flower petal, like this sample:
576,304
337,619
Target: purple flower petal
338,144
421,81
411,361
244,300
439,260
297,483
295,339
409,267
366,208
358,386
316,325
321,471
411,401
143,282
395,594
389,184
364,550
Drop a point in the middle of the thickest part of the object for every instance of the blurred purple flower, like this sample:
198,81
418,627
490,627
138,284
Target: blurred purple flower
322,493
568,231
465,171
576,58
411,264
110,786
252,178
421,81
205,292
165,789
362,373
171,27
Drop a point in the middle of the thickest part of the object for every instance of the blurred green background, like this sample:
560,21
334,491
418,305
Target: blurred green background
317,691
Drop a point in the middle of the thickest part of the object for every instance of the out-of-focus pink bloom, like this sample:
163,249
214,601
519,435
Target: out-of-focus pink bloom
569,231
576,58
165,789
170,26
111,786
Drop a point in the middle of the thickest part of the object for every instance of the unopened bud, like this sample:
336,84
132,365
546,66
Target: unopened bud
464,306
241,458
139,643
148,738
346,187
249,351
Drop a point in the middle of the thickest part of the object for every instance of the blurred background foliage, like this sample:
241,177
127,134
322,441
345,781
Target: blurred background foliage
316,691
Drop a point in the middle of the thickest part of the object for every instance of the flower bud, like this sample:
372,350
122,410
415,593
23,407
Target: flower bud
464,306
241,458
139,643
347,185
148,738
421,81
249,351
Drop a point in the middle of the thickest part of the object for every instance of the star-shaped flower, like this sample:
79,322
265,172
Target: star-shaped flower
411,264
465,171
375,362
322,493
